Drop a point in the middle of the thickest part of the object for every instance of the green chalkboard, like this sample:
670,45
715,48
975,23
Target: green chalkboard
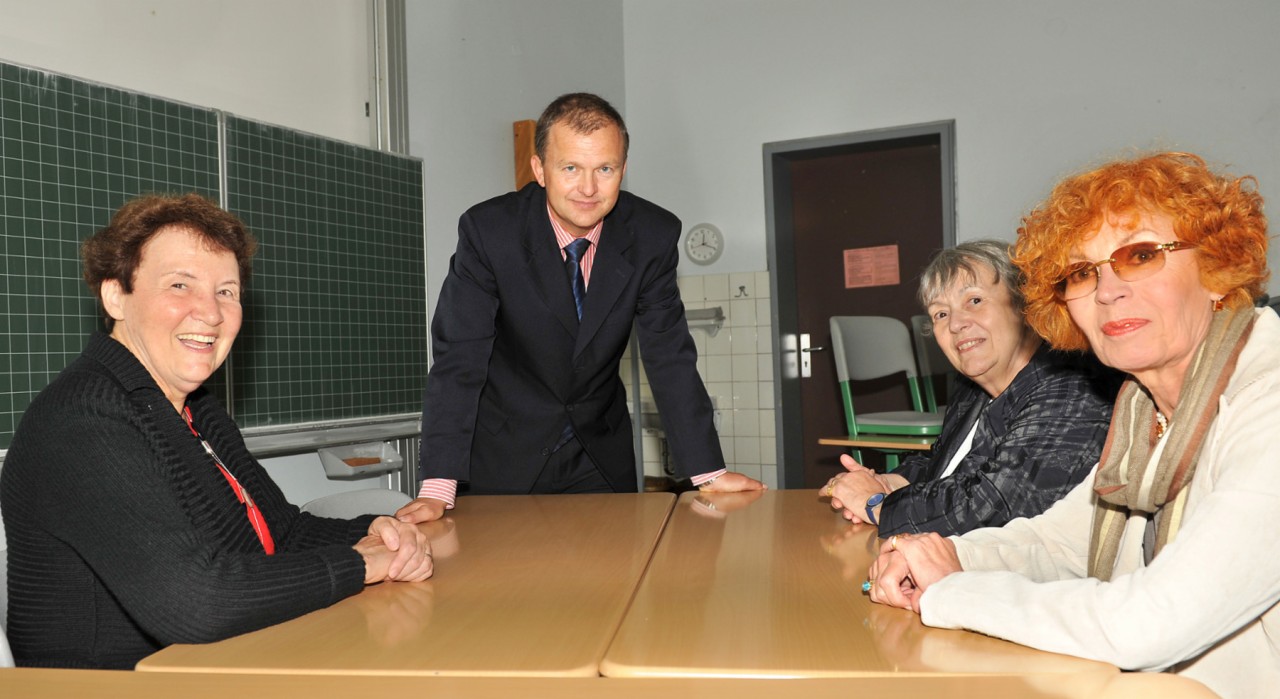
336,321
335,318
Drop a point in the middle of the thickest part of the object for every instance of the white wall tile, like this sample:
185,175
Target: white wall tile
745,368
768,424
716,287
746,450
746,396
763,288
769,461
764,340
766,395
764,370
723,390
744,340
719,369
721,344
764,312
747,423
692,289
726,446
742,313
728,423
742,285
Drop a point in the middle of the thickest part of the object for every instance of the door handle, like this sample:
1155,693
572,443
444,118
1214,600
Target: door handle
806,364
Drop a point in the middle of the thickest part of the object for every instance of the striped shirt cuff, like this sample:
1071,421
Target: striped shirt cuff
441,489
705,478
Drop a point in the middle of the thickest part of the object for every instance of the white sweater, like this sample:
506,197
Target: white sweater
1205,607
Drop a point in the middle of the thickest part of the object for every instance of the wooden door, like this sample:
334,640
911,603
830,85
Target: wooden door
888,192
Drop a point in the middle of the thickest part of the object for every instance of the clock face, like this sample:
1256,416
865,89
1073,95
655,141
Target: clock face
704,243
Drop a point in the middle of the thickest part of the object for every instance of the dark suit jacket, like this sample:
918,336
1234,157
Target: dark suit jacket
512,363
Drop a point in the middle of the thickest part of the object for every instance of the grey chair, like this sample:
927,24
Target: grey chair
873,347
932,361
353,503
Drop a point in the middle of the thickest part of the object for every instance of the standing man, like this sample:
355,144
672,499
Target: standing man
525,395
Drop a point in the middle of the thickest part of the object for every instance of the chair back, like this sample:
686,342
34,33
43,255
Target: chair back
872,347
932,360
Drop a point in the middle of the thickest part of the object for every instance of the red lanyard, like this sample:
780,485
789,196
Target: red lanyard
256,520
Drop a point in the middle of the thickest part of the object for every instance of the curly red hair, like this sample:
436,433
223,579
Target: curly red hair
1221,214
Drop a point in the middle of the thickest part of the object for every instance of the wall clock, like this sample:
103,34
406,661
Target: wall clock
704,243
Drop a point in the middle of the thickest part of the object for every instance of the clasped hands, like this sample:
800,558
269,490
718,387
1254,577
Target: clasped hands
395,550
849,491
907,565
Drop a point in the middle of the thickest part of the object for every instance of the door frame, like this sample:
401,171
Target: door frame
780,242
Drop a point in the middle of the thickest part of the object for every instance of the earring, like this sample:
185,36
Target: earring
1217,305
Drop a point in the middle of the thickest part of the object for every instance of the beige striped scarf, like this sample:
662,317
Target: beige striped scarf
1127,481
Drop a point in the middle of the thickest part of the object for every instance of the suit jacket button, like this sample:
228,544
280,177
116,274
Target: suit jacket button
546,451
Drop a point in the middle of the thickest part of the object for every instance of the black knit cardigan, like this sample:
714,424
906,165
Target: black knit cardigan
125,538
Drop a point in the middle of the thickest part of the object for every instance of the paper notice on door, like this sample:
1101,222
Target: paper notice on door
877,266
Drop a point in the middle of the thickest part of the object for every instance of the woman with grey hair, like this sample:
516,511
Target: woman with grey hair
1025,424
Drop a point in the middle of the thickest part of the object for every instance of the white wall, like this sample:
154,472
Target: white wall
476,66
1037,89
297,63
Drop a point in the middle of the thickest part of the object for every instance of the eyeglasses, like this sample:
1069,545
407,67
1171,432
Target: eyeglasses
1130,263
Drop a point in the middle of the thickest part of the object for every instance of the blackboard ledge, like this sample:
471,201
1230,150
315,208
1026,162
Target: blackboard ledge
266,442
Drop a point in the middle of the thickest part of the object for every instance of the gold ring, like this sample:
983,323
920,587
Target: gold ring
828,489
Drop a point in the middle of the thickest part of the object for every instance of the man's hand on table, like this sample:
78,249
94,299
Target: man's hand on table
422,510
732,482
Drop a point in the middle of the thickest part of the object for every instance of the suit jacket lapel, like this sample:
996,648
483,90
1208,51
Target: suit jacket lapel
546,266
610,273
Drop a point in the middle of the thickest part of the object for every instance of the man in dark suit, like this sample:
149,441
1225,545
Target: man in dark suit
524,395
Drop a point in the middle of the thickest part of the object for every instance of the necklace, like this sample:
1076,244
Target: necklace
1162,424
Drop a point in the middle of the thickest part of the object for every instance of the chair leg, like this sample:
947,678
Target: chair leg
890,461
856,454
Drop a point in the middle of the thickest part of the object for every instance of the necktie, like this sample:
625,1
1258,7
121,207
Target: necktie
573,257
573,253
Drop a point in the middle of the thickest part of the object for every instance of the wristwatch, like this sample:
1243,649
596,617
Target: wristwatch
872,503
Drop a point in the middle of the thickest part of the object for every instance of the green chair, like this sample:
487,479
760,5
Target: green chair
872,347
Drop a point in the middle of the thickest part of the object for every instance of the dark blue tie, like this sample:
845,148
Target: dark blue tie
573,257
573,253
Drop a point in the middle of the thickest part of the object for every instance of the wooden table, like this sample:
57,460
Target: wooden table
769,585
30,683
880,441
524,586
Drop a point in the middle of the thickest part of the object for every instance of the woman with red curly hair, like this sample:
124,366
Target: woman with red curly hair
1154,264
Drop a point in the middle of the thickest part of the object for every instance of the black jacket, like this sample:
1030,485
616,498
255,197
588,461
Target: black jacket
1034,443
124,537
